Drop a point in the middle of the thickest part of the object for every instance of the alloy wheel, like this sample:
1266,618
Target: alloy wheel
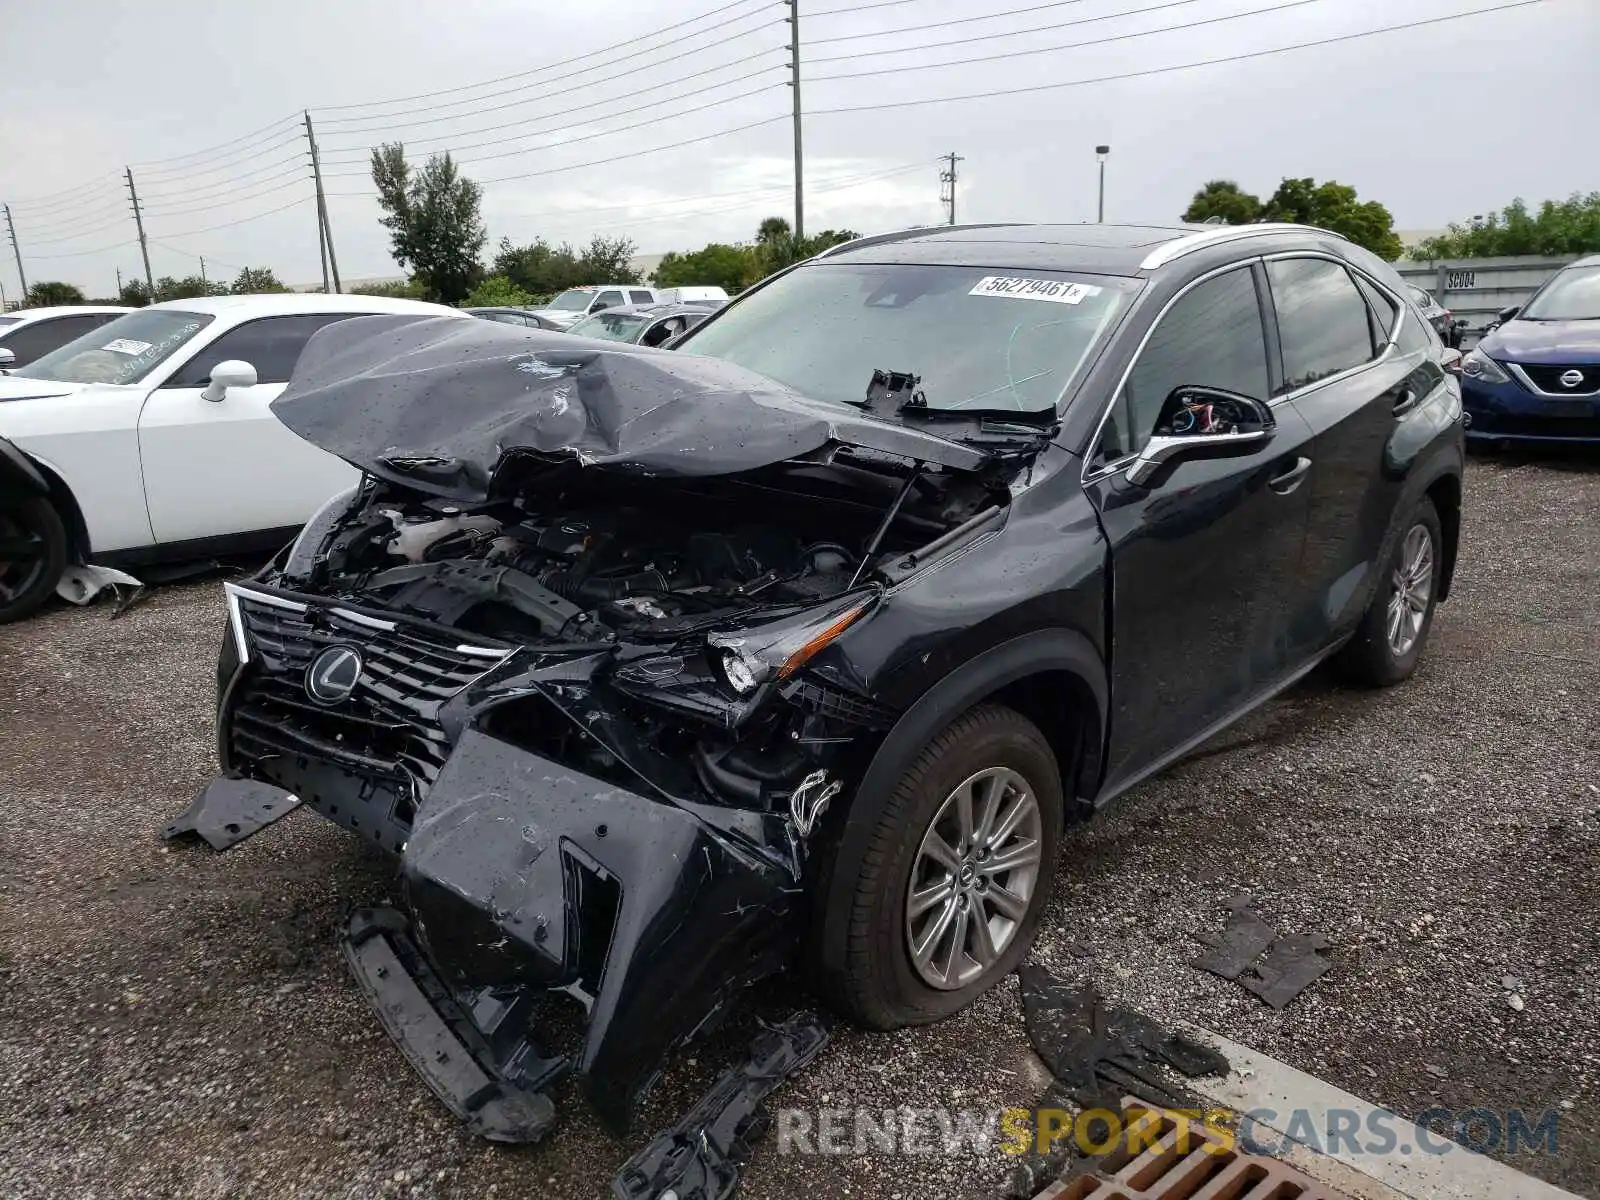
973,878
1410,591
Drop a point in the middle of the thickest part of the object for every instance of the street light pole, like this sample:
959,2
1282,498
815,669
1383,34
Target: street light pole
1101,152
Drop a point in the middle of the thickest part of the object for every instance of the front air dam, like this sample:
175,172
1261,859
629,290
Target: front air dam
525,880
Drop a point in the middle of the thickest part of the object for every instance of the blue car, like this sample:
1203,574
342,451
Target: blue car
1536,377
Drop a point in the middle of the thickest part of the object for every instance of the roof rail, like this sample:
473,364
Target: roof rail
1178,247
902,235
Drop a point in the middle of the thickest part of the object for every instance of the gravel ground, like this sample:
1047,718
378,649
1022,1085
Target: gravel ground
180,1023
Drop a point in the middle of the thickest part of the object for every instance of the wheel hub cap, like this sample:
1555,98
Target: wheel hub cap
973,878
1410,590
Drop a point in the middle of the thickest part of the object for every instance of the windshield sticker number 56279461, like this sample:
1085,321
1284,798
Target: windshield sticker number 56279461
1016,287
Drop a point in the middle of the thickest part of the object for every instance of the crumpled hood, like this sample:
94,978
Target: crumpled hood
436,403
1544,342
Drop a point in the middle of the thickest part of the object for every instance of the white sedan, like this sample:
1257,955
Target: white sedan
151,438
30,333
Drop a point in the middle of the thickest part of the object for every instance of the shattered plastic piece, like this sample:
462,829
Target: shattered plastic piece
403,992
79,584
699,1158
229,810
1293,964
1243,939
1099,1050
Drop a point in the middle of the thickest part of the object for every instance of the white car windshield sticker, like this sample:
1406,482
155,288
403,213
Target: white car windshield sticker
1015,287
126,346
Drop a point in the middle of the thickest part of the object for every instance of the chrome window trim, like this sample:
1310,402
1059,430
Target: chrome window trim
1349,372
1178,247
1086,476
1533,387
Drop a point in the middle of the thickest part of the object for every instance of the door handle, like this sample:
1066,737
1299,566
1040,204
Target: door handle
1287,482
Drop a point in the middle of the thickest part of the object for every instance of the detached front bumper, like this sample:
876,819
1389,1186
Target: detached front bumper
1510,412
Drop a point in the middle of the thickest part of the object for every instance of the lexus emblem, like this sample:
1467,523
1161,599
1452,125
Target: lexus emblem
332,675
1571,378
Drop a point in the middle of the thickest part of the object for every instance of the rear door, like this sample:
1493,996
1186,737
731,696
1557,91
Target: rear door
1204,557
1343,375
229,467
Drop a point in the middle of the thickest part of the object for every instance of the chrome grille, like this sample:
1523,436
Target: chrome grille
389,727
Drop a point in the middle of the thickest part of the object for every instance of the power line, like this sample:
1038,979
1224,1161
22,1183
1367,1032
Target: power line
466,87
53,199
944,24
990,37
1103,41
253,154
1208,62
224,192
837,12
209,151
242,220
590,137
184,212
694,141
62,231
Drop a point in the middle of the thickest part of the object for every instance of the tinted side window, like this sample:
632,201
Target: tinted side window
271,345
641,297
505,318
1382,308
1323,321
1210,337
606,300
41,337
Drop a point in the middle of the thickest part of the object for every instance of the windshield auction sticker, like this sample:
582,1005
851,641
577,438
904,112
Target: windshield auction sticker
126,346
1015,287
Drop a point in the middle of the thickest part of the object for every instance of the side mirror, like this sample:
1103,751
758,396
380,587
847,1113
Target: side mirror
1507,313
1203,422
1450,360
8,359
231,373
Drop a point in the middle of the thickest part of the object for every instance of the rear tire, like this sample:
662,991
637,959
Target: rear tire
29,576
1389,640
1004,767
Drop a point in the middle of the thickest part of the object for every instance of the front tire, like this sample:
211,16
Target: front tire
955,874
1389,640
33,553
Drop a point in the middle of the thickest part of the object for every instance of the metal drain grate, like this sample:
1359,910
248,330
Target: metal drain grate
1159,1160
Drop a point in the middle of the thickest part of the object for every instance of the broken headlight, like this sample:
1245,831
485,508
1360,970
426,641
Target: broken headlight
752,657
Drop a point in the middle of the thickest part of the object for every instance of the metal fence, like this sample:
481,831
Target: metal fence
1475,289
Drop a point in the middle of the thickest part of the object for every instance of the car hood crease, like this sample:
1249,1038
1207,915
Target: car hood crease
436,404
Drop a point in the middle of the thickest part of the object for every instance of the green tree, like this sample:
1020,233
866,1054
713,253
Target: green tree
43,295
732,268
538,268
1334,206
1223,198
433,220
779,247
395,289
606,260
496,292
1570,226
1329,205
135,293
187,288
256,280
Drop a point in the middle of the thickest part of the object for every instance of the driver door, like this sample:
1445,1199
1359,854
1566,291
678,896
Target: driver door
1205,552
229,467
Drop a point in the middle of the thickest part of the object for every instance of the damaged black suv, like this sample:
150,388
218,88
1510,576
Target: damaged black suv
795,646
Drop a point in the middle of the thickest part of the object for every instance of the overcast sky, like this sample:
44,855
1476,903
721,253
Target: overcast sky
200,96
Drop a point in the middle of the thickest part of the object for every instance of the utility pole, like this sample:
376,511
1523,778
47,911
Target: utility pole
11,228
144,248
1100,152
119,283
794,81
322,211
947,193
203,278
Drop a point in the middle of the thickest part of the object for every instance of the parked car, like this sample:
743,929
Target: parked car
801,645
1444,324
572,305
524,318
151,437
1536,376
642,324
693,295
30,332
